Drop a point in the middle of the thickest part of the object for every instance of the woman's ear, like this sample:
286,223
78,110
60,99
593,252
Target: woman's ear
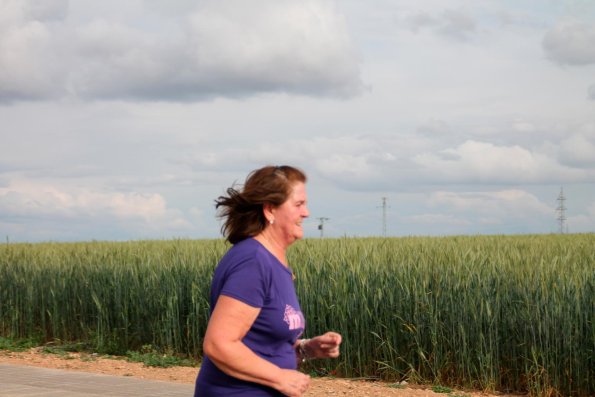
268,211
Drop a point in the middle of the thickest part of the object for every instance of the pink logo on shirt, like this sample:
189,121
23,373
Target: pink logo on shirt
294,318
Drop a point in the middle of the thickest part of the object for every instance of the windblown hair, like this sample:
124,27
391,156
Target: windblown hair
243,211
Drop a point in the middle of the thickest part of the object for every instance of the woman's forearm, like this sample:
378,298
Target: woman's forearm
322,346
230,321
237,360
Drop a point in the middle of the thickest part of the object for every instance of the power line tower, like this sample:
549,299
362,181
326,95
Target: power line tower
561,210
384,206
321,225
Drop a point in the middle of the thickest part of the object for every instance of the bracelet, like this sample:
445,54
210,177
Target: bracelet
302,349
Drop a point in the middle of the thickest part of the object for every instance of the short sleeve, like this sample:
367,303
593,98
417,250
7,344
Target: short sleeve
246,281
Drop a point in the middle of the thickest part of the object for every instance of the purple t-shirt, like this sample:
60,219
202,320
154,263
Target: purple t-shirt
249,273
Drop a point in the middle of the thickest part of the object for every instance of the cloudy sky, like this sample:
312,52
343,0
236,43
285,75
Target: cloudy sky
124,120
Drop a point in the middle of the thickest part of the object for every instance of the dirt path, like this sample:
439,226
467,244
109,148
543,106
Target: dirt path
320,386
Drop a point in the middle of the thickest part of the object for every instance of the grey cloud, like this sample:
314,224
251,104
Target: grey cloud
32,66
578,151
452,23
46,10
368,163
570,42
32,10
434,128
421,20
591,92
6,167
171,8
224,49
457,24
356,163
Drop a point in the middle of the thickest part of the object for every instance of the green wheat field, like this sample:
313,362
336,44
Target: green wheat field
498,313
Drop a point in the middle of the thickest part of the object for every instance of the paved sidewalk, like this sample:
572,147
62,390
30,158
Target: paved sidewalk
26,381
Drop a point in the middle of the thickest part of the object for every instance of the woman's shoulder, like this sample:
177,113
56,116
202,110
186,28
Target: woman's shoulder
246,247
246,259
246,251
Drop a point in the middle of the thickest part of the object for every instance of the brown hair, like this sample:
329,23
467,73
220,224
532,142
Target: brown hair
243,210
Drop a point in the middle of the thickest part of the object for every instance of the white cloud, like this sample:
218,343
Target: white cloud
582,223
438,219
472,212
504,204
23,202
359,162
377,162
485,162
570,42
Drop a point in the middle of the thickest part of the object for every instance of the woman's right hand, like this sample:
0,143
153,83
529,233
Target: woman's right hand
293,383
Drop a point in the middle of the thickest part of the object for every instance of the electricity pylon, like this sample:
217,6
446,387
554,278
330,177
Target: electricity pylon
384,216
321,225
561,210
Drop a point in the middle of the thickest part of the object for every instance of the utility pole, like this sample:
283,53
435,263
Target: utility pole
321,225
561,210
384,216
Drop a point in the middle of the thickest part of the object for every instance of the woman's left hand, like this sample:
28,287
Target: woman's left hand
324,346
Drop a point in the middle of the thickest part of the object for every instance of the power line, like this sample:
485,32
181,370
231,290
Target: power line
561,210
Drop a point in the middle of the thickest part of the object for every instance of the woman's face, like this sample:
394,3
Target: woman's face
290,215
